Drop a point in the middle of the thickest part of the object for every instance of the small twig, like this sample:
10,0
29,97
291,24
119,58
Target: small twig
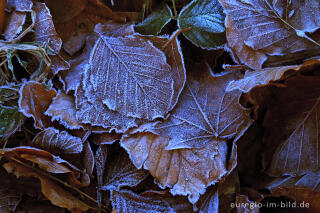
178,32
174,9
55,179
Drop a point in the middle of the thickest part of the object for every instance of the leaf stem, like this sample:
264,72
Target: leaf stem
174,9
55,179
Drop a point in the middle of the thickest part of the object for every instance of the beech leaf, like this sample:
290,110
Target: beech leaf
63,109
265,28
176,168
44,28
136,82
126,201
57,142
154,23
121,172
34,100
206,20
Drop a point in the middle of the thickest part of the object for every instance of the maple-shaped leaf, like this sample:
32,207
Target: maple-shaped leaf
44,27
271,27
126,201
185,171
154,23
34,100
20,5
134,78
121,172
206,20
57,142
63,109
291,127
204,112
52,191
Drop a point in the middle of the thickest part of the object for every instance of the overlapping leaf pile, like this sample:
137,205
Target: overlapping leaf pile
158,106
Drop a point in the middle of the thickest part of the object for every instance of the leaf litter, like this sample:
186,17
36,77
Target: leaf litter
104,114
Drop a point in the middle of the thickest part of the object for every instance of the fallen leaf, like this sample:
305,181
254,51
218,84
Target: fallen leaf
244,205
204,113
126,201
9,197
206,19
136,83
121,172
259,77
57,142
14,24
44,28
291,127
105,138
176,168
154,23
267,29
53,192
10,120
63,109
58,64
34,100
209,202
20,5
100,162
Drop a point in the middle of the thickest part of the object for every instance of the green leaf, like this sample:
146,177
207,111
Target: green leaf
154,23
206,20
10,120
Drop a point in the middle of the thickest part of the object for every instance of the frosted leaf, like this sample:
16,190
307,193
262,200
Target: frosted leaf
10,120
209,202
259,77
58,64
20,5
263,28
71,78
244,205
88,158
63,109
185,171
206,20
105,138
112,29
126,201
97,114
15,21
57,142
205,111
34,100
131,77
100,162
121,172
240,52
44,28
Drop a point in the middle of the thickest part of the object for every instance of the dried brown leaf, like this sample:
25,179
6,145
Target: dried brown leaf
246,206
9,197
57,142
126,201
34,100
276,28
14,23
63,109
20,5
44,28
185,171
53,192
105,138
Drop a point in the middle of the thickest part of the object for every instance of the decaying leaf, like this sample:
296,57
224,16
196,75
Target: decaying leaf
121,172
126,201
270,28
204,113
44,28
52,191
64,110
34,100
176,168
291,127
205,18
154,23
57,142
